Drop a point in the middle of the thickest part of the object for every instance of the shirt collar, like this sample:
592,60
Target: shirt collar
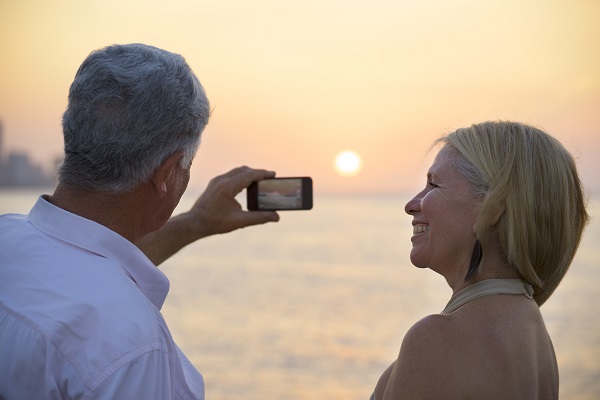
98,239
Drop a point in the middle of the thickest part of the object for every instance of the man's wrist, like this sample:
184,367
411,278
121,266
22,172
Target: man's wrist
190,227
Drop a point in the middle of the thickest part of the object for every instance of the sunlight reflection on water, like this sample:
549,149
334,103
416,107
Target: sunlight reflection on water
316,306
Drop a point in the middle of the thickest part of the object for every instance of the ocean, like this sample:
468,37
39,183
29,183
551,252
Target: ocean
316,306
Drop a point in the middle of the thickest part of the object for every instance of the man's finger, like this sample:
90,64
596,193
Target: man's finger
243,178
259,217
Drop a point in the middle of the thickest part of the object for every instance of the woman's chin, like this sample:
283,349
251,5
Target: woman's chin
416,261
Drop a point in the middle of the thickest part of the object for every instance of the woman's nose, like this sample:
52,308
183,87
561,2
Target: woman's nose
414,205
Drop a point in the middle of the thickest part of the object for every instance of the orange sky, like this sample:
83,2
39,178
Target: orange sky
293,83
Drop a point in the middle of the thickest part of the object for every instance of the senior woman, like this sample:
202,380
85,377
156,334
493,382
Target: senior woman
500,218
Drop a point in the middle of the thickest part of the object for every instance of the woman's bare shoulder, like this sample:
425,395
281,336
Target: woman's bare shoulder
433,331
473,351
429,360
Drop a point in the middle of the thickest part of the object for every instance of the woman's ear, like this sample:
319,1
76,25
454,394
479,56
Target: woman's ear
489,216
163,173
495,212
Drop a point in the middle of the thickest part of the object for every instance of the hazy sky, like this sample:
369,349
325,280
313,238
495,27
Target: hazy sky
293,83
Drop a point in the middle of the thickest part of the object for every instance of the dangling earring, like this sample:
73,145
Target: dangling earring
475,259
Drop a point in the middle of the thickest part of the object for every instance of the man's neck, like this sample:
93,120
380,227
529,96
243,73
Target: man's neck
121,212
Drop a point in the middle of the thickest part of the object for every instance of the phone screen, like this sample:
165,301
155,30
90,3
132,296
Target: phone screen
281,194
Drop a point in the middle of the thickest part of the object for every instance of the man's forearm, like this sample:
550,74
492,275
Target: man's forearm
168,240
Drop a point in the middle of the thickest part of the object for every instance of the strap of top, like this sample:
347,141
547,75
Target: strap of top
488,287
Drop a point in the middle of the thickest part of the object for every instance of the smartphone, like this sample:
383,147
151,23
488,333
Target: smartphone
280,194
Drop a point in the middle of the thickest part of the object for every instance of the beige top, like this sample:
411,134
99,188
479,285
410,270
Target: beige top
488,287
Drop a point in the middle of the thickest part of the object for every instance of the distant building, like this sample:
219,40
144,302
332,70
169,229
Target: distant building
17,170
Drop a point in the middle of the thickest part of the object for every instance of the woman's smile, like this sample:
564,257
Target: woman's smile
420,228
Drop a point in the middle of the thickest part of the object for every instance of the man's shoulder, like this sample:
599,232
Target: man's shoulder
94,323
54,283
76,288
11,216
76,296
11,221
18,235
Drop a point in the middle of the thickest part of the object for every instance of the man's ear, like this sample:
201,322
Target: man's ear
162,174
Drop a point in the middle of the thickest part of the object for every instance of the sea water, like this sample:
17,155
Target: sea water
316,305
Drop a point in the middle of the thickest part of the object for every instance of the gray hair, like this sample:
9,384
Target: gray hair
130,108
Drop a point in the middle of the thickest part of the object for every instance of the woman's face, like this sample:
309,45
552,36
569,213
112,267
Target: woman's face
444,215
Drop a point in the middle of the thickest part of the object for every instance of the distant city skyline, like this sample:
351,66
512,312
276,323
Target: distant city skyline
18,170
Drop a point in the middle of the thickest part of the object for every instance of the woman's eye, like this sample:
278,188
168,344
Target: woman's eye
433,185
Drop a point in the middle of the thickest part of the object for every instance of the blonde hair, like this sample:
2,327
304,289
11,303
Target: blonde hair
532,178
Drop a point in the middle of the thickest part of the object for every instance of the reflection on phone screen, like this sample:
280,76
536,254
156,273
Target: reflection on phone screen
280,194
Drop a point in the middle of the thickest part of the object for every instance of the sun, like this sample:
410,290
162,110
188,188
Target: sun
348,163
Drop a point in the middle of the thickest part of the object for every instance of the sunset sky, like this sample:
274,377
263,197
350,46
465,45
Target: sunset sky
295,82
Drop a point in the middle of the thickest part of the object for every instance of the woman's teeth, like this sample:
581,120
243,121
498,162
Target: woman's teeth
420,228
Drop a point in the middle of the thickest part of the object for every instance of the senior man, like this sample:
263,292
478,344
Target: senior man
80,294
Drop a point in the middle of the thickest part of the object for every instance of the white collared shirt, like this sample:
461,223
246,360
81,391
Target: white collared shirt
80,314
